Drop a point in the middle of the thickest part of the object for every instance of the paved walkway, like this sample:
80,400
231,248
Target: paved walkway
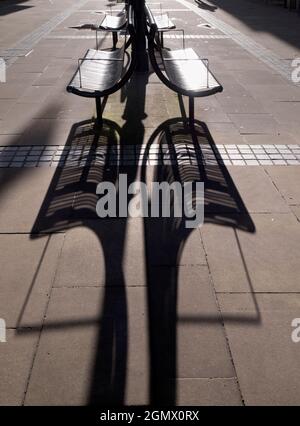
146,311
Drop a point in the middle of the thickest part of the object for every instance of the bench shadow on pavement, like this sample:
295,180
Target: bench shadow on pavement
8,7
71,200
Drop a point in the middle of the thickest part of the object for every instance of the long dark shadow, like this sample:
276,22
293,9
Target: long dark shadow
261,17
71,201
191,156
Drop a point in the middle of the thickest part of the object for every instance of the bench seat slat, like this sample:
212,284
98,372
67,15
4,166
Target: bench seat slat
186,70
111,22
163,22
102,71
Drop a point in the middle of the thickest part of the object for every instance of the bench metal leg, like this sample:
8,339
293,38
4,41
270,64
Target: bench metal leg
99,119
191,111
162,39
115,39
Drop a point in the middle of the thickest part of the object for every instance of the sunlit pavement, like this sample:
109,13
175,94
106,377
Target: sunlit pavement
145,311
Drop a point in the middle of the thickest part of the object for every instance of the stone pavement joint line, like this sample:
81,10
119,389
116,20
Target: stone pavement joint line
182,154
27,43
256,49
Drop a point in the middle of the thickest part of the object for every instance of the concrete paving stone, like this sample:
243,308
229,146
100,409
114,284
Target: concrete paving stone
274,92
231,87
255,123
278,139
110,244
46,131
253,77
27,65
202,349
16,358
35,94
169,248
22,194
12,90
208,392
225,133
211,115
65,106
28,267
92,321
242,64
296,211
284,112
50,76
241,105
287,182
5,106
265,357
18,119
266,260
21,112
257,190
223,128
77,311
21,78
293,128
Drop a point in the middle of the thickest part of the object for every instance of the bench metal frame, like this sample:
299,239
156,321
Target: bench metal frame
191,94
112,30
162,30
124,78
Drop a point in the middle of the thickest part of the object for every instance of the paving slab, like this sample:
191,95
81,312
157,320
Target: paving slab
279,139
16,357
208,392
22,193
47,131
241,105
275,92
75,314
202,348
5,105
255,123
296,211
169,248
264,261
12,90
265,357
28,268
257,190
106,362
114,254
287,182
